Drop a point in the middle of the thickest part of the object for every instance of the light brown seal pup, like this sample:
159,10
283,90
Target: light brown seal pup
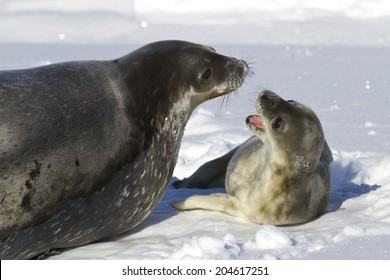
281,176
87,148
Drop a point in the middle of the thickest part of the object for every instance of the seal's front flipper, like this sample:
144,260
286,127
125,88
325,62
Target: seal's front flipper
200,182
209,175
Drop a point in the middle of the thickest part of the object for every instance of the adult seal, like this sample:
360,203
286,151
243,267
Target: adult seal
88,148
280,176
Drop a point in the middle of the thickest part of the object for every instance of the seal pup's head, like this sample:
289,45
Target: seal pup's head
290,129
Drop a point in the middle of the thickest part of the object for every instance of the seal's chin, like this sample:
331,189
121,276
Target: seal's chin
255,123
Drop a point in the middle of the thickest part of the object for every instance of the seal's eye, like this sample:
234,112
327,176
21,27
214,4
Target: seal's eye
206,74
277,123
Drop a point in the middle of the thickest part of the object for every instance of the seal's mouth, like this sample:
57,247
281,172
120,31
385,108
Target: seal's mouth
255,122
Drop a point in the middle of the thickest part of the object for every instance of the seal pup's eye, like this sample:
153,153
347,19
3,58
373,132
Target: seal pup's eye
277,123
206,74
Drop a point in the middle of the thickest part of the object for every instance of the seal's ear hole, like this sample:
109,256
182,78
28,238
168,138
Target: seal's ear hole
206,74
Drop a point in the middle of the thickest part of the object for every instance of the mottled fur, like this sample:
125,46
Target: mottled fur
88,147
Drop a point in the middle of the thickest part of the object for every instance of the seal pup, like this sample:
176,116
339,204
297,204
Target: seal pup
88,147
279,176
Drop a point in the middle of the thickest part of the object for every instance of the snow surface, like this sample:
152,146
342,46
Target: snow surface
333,56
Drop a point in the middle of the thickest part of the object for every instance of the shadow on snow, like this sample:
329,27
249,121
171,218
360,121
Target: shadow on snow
343,187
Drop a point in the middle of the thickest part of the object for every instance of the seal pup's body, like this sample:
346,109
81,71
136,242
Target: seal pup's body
88,148
281,176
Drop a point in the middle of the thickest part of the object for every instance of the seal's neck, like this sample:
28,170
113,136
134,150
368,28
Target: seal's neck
297,164
169,129
278,158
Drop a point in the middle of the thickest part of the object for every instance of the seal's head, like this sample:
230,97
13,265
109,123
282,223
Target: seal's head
288,128
185,73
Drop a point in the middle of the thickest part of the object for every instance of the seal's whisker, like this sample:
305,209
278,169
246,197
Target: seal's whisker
249,78
225,100
221,101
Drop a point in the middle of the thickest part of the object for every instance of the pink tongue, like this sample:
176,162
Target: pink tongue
255,119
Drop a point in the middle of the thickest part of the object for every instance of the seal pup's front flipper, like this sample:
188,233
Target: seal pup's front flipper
215,202
209,175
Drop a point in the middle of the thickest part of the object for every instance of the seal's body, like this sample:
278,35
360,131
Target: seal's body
88,148
281,176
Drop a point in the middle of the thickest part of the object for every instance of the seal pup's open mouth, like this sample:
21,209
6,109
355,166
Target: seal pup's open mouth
255,122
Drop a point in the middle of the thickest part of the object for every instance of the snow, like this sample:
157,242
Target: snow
333,56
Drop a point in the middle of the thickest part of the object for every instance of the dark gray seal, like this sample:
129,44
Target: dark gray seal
88,148
280,176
